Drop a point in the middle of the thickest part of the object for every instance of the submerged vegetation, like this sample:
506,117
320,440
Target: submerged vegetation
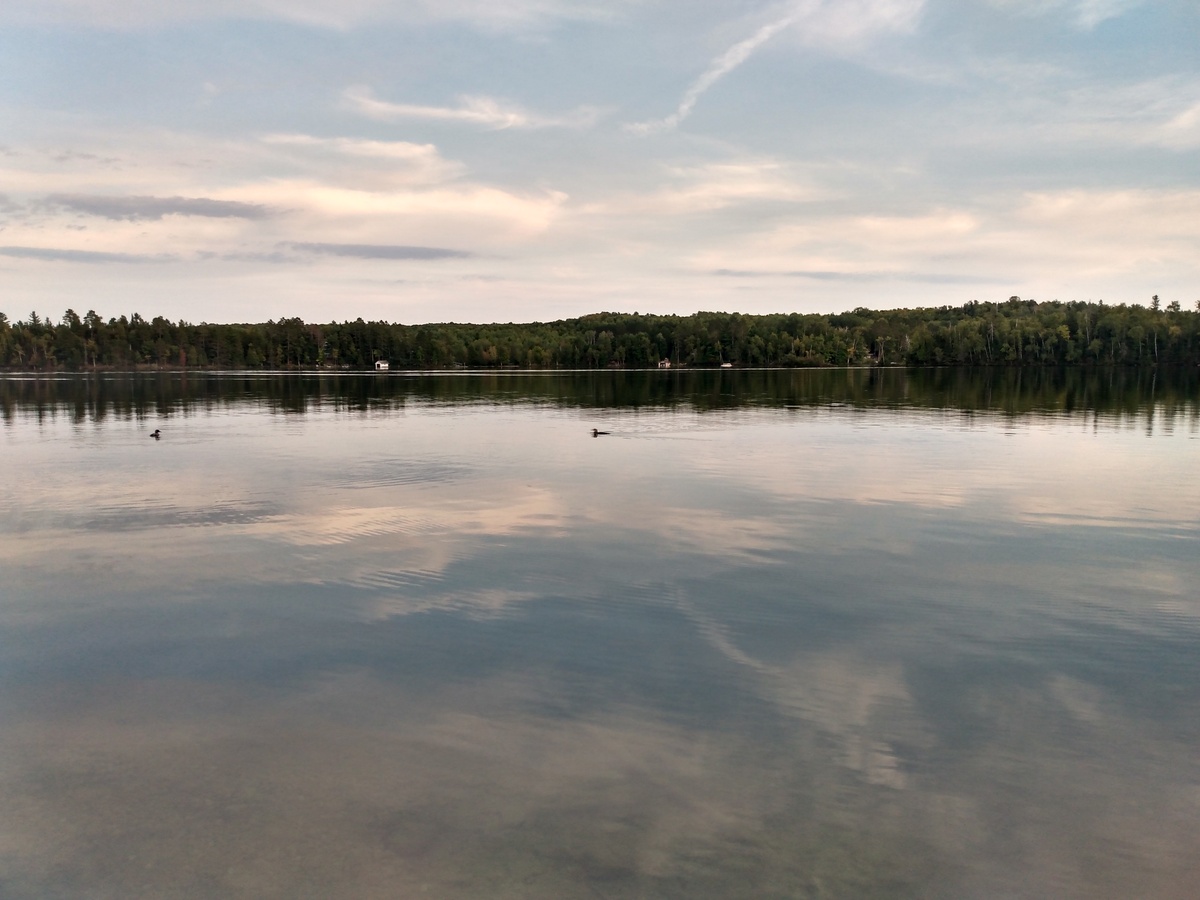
1014,333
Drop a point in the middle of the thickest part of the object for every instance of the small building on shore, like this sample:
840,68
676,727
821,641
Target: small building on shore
664,364
381,365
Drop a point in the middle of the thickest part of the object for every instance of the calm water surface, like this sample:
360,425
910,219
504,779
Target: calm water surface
812,634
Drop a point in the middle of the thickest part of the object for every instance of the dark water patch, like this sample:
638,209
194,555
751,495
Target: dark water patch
1167,399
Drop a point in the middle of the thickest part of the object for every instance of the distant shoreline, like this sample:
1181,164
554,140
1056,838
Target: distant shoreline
1014,334
509,370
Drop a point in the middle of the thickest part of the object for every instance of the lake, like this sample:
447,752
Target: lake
778,634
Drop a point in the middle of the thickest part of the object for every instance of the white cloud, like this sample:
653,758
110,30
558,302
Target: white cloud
1090,13
1087,14
485,111
1181,132
847,24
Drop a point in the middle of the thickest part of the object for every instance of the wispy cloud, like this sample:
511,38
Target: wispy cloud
823,23
134,209
379,251
1182,131
844,25
399,161
1090,13
1087,14
1158,112
485,111
1099,236
714,186
720,67
354,147
62,254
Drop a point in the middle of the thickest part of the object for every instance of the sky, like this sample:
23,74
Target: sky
529,160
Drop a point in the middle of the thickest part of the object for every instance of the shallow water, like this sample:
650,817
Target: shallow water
780,634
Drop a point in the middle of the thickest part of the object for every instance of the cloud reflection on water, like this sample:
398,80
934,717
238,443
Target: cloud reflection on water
752,652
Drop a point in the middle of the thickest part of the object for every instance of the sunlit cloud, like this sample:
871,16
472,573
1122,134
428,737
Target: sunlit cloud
278,198
1101,232
474,209
1111,231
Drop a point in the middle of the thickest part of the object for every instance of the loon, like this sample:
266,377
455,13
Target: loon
156,434
597,432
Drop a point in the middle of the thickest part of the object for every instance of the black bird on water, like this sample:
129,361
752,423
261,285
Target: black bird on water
596,432
156,434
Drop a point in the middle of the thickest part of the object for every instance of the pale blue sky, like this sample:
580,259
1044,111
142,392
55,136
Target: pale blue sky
533,159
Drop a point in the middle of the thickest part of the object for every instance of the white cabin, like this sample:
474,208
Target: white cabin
381,365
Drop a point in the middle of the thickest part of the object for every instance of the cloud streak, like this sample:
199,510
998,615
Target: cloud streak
1086,13
379,251
390,162
60,254
485,111
1090,13
823,23
136,209
394,150
720,67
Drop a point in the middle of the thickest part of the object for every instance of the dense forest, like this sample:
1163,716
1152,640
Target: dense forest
1013,333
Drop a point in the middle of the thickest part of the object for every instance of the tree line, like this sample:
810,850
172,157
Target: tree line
1012,333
